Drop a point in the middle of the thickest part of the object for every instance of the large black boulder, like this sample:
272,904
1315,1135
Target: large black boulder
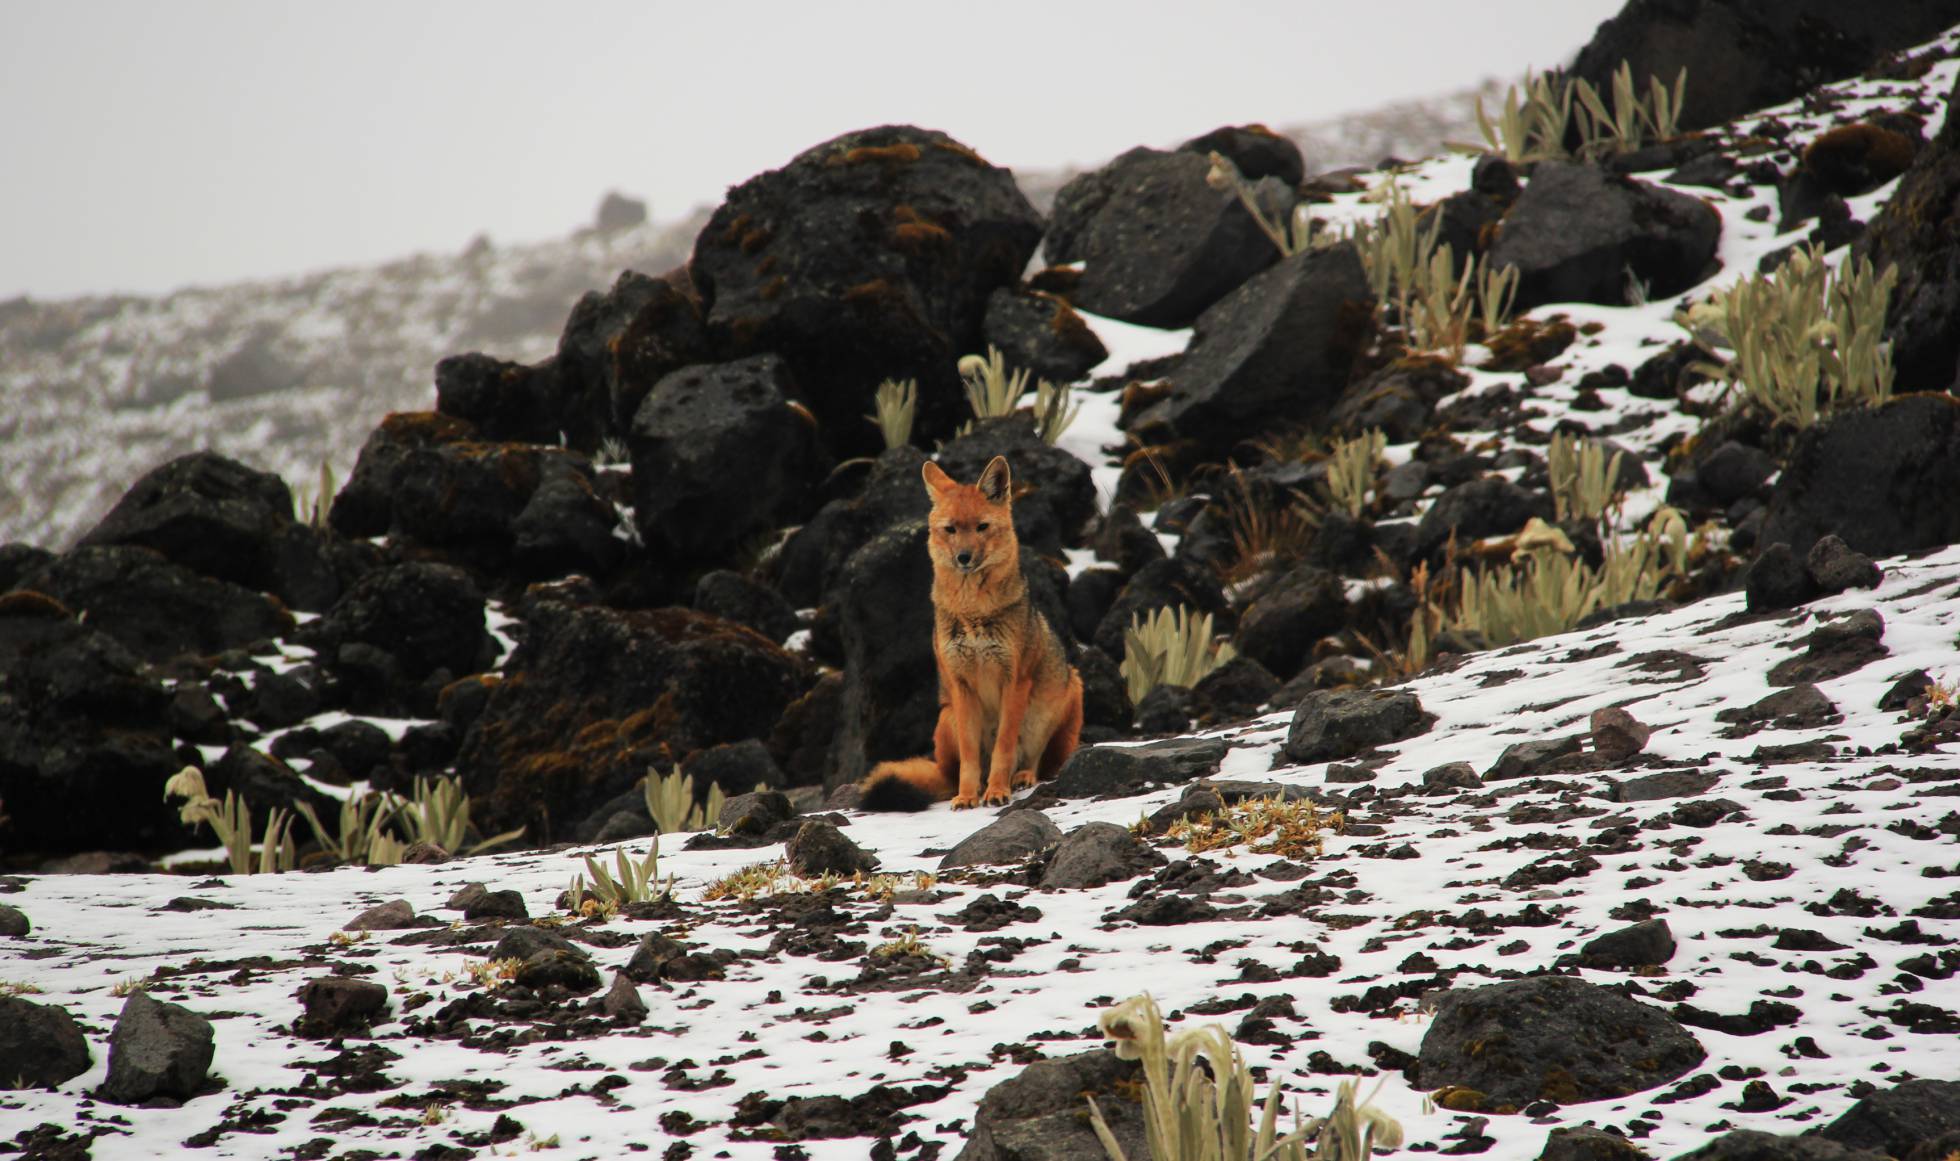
1054,496
157,1050
868,257
593,696
1039,1114
1742,55
1917,232
1043,334
41,1044
1330,724
617,344
1882,479
1893,1120
1158,244
719,455
1491,506
1279,629
814,555
158,608
1552,1038
431,482
1577,234
1275,351
501,399
220,518
426,616
80,721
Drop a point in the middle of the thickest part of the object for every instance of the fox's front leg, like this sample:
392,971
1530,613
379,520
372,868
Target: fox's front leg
965,709
1007,742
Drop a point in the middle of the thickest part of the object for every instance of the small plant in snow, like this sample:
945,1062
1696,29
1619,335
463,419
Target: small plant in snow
638,882
991,389
231,821
896,402
1169,646
1585,481
1351,469
439,813
1053,410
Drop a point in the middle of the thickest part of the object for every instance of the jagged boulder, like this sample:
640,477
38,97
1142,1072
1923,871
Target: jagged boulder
1551,1038
692,429
1158,243
1042,333
428,617
1917,232
595,695
1491,506
157,1050
1742,56
221,518
1882,479
1276,350
430,481
1577,233
1054,496
868,257
80,721
1039,1114
41,1044
814,555
155,607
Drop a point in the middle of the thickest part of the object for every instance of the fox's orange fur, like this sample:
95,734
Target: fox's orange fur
1010,705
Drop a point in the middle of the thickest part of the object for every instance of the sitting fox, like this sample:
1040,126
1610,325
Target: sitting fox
1007,694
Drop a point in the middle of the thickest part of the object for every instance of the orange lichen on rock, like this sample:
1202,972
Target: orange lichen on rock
902,153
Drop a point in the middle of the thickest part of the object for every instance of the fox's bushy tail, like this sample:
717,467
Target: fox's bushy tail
910,784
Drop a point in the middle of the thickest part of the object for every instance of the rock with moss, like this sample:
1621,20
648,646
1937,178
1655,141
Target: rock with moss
1551,1038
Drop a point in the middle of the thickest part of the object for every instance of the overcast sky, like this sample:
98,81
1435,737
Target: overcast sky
150,145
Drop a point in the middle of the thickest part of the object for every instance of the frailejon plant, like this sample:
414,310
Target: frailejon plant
1199,1093
638,882
1584,478
1534,124
1054,410
231,821
672,806
439,813
1547,589
1420,284
896,402
1169,646
1295,235
1633,120
1806,340
1351,469
363,836
991,389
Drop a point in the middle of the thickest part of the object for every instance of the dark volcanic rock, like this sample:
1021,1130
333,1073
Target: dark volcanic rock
870,256
1756,1145
425,616
1777,580
1552,1038
337,1005
80,721
41,1044
1116,770
1256,150
1585,1143
1332,724
1280,628
157,1049
734,597
1054,498
1275,351
218,517
593,696
1576,232
1043,334
1742,56
1038,1115
694,425
819,848
1834,567
1157,243
1643,944
1008,839
816,554
616,345
1880,478
1492,506
502,400
1914,232
432,481
158,608
1893,1120
1097,853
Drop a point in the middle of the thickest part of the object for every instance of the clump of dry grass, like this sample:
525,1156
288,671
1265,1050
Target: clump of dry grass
1293,829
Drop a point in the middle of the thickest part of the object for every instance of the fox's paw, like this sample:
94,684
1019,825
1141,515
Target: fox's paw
996,795
965,802
1022,778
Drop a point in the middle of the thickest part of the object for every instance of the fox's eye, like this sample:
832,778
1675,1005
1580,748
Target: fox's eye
980,527
952,528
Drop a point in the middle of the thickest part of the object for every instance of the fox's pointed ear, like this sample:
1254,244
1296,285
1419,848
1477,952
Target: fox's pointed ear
997,483
937,480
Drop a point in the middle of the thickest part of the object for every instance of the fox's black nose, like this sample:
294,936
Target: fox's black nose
965,558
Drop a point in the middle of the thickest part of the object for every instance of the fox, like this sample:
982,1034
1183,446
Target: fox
1007,693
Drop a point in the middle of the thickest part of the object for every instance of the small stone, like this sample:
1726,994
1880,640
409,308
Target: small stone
1008,839
1098,853
1617,734
336,1005
424,854
496,905
1644,944
819,848
466,895
1451,776
157,1050
525,942
1777,580
567,969
13,921
622,1001
1835,567
393,915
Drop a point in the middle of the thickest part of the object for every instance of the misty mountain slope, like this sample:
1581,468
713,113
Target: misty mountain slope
289,373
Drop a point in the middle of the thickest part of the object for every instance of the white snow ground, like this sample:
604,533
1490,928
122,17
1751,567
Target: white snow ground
1869,820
